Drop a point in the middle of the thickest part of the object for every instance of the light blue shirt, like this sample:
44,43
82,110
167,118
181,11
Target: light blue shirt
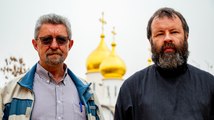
55,101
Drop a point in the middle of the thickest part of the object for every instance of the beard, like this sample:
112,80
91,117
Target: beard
170,60
54,57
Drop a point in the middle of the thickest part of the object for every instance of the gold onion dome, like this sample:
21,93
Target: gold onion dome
97,56
113,66
149,61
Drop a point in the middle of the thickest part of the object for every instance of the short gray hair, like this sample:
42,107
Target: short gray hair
52,19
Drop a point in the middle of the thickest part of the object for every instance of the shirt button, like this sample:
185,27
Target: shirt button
59,118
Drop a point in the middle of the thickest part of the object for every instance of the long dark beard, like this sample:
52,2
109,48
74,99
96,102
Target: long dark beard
170,60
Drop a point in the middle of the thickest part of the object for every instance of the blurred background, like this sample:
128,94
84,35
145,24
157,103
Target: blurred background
129,17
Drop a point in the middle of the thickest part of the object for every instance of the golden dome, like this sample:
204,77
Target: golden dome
97,56
149,60
113,66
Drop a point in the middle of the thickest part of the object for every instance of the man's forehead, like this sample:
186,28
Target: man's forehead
165,20
172,17
47,29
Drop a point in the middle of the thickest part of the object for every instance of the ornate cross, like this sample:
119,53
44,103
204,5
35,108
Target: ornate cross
113,33
102,20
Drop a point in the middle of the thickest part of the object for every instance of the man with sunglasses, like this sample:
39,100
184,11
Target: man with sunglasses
170,89
50,90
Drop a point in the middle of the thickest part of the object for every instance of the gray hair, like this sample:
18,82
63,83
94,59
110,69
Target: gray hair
52,19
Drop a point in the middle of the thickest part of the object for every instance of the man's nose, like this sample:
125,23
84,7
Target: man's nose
54,44
168,38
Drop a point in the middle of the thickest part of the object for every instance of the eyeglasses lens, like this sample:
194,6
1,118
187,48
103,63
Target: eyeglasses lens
47,40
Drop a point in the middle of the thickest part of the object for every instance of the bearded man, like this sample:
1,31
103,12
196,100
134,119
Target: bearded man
170,89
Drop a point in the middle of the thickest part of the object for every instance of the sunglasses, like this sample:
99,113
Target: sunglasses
47,40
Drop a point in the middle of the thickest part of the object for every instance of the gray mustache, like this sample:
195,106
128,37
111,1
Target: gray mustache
54,52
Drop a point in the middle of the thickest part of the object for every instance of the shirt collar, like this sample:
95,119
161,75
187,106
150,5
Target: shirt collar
45,75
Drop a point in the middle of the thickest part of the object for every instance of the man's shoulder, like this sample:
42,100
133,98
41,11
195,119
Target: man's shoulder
199,72
145,71
140,75
9,88
13,82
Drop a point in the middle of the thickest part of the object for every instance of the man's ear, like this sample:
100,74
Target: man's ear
35,44
71,42
150,40
186,36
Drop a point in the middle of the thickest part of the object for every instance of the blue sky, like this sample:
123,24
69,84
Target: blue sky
129,17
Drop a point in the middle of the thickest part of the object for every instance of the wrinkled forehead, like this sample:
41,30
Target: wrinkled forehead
166,16
55,29
165,20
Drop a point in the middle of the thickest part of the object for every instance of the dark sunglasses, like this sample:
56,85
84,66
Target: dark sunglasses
47,40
